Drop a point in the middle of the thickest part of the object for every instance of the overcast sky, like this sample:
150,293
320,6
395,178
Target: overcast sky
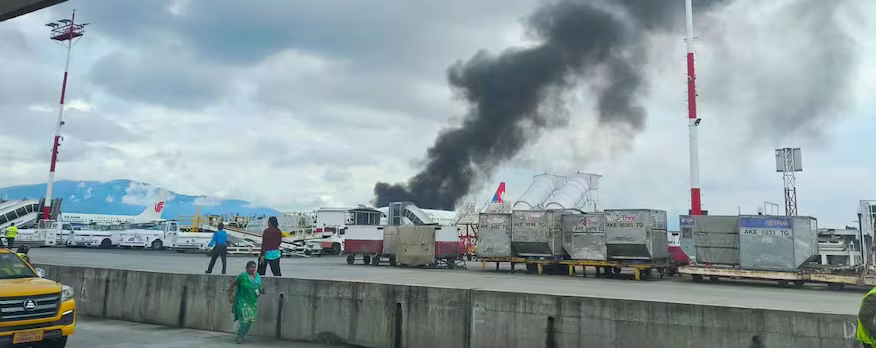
299,104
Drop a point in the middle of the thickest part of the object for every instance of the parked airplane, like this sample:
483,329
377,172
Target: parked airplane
151,214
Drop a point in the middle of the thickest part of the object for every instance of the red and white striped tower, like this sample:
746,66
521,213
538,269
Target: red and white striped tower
693,121
67,33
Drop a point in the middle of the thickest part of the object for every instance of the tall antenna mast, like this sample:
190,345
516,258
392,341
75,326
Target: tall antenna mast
693,121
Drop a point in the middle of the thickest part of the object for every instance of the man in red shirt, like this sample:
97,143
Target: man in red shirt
270,254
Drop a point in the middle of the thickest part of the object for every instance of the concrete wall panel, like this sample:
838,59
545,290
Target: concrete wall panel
390,316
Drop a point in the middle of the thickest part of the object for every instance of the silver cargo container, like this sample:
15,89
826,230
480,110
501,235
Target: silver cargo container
390,240
777,243
715,238
685,237
636,234
416,245
537,233
584,236
494,235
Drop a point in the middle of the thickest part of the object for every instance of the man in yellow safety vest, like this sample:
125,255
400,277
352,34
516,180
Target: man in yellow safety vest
11,233
867,319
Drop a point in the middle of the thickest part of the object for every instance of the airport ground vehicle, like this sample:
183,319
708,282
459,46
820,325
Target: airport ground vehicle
33,309
155,235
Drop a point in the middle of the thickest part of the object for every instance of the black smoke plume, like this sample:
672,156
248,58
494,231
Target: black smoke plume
515,95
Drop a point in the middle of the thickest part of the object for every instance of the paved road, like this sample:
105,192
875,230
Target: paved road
749,294
103,333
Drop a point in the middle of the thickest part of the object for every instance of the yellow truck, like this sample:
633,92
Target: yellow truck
33,311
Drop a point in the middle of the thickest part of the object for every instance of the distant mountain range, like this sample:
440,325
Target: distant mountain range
126,197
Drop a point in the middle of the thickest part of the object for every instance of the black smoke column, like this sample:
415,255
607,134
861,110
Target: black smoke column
517,94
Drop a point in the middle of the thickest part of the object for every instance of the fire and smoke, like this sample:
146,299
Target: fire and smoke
517,94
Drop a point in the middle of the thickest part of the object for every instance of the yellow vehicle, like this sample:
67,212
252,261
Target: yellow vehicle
33,311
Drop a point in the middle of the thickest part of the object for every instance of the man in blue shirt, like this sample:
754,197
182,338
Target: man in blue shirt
219,243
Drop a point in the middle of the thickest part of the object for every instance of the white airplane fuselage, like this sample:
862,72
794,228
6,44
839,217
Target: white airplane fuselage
152,213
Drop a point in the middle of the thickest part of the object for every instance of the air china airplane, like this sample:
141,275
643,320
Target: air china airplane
448,217
151,214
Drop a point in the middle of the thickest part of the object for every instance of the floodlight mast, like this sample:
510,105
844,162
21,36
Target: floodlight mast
67,33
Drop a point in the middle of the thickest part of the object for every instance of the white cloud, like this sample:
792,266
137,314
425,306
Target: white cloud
109,199
40,108
178,7
144,194
78,104
205,201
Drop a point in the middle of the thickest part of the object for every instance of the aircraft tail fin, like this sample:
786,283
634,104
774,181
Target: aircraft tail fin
153,212
499,196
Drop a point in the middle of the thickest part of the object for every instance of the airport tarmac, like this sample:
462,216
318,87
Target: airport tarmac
747,294
104,333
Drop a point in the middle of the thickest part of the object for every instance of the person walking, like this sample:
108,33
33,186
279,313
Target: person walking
219,243
245,301
270,253
11,234
867,319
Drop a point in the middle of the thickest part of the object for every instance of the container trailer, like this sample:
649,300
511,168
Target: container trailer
778,248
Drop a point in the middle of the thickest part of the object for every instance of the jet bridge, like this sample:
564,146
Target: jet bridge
406,213
25,213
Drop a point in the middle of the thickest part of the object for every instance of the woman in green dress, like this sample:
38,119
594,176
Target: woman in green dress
245,300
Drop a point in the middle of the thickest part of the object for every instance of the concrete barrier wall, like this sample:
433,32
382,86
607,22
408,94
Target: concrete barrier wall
393,316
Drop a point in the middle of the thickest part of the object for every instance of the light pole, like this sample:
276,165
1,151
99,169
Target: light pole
67,33
693,120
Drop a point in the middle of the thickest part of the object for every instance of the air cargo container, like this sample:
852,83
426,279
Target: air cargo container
636,234
715,238
494,235
584,236
416,245
537,233
777,243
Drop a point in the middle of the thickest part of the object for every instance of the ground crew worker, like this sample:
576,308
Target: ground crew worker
867,319
220,248
11,233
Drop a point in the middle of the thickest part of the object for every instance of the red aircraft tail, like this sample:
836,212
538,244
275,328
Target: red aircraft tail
499,196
